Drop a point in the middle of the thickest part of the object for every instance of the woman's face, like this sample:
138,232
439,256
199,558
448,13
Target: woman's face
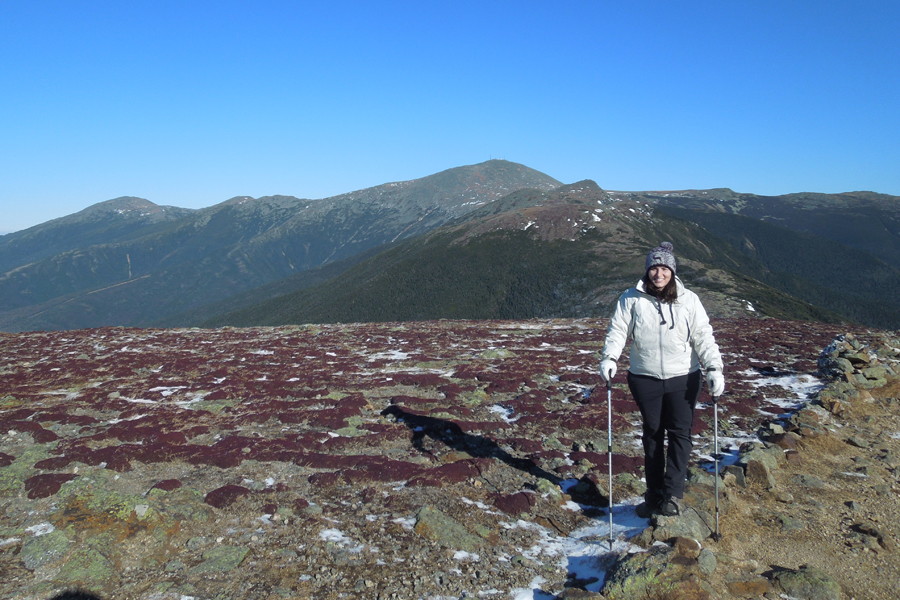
659,276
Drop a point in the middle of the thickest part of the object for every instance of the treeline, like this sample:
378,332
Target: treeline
505,275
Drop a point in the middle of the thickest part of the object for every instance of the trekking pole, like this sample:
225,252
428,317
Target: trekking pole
609,451
716,457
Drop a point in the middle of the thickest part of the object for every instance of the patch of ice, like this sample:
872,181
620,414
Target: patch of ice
463,555
9,542
406,522
479,504
532,593
333,535
505,413
390,355
132,418
802,386
40,529
167,391
139,400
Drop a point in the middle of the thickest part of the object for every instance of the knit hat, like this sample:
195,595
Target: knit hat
662,255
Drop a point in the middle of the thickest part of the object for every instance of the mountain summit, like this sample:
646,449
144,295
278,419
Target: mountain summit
129,262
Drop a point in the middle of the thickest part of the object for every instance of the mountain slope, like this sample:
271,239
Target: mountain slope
846,280
167,267
565,253
104,223
862,220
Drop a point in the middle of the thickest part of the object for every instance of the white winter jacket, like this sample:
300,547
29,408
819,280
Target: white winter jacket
669,340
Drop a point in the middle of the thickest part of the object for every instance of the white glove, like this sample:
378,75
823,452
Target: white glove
716,382
607,369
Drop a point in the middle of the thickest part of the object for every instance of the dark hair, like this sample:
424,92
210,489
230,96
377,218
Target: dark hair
667,295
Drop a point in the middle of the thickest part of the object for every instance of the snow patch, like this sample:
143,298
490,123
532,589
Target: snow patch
40,529
505,413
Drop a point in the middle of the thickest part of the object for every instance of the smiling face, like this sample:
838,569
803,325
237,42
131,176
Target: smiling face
659,276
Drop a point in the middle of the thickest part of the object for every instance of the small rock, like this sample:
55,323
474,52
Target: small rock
689,524
707,561
786,441
809,583
445,530
784,497
644,539
738,474
687,547
857,442
858,358
44,549
220,559
758,472
174,566
872,531
789,524
808,481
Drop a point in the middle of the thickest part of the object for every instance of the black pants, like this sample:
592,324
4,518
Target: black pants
667,407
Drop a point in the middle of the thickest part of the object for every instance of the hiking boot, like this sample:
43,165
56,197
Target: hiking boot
645,509
648,507
671,507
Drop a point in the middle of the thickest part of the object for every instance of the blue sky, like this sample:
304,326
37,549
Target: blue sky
191,103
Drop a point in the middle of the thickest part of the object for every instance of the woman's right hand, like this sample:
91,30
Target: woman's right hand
607,369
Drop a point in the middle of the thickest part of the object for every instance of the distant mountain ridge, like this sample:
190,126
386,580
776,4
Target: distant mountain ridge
493,240
564,253
122,262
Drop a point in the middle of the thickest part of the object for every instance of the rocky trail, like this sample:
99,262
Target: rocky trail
438,460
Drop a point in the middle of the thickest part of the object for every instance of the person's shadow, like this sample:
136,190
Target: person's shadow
452,435
75,595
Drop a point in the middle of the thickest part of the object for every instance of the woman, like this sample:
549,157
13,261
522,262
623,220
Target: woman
671,339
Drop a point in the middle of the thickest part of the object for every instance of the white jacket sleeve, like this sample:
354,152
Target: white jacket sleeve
620,327
703,342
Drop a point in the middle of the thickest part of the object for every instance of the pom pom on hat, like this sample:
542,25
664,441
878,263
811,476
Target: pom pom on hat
662,255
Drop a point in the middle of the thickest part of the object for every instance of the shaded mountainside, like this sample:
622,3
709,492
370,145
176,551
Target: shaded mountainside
862,220
846,280
563,253
142,273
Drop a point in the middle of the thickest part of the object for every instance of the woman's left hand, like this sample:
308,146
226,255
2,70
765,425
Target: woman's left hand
716,382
